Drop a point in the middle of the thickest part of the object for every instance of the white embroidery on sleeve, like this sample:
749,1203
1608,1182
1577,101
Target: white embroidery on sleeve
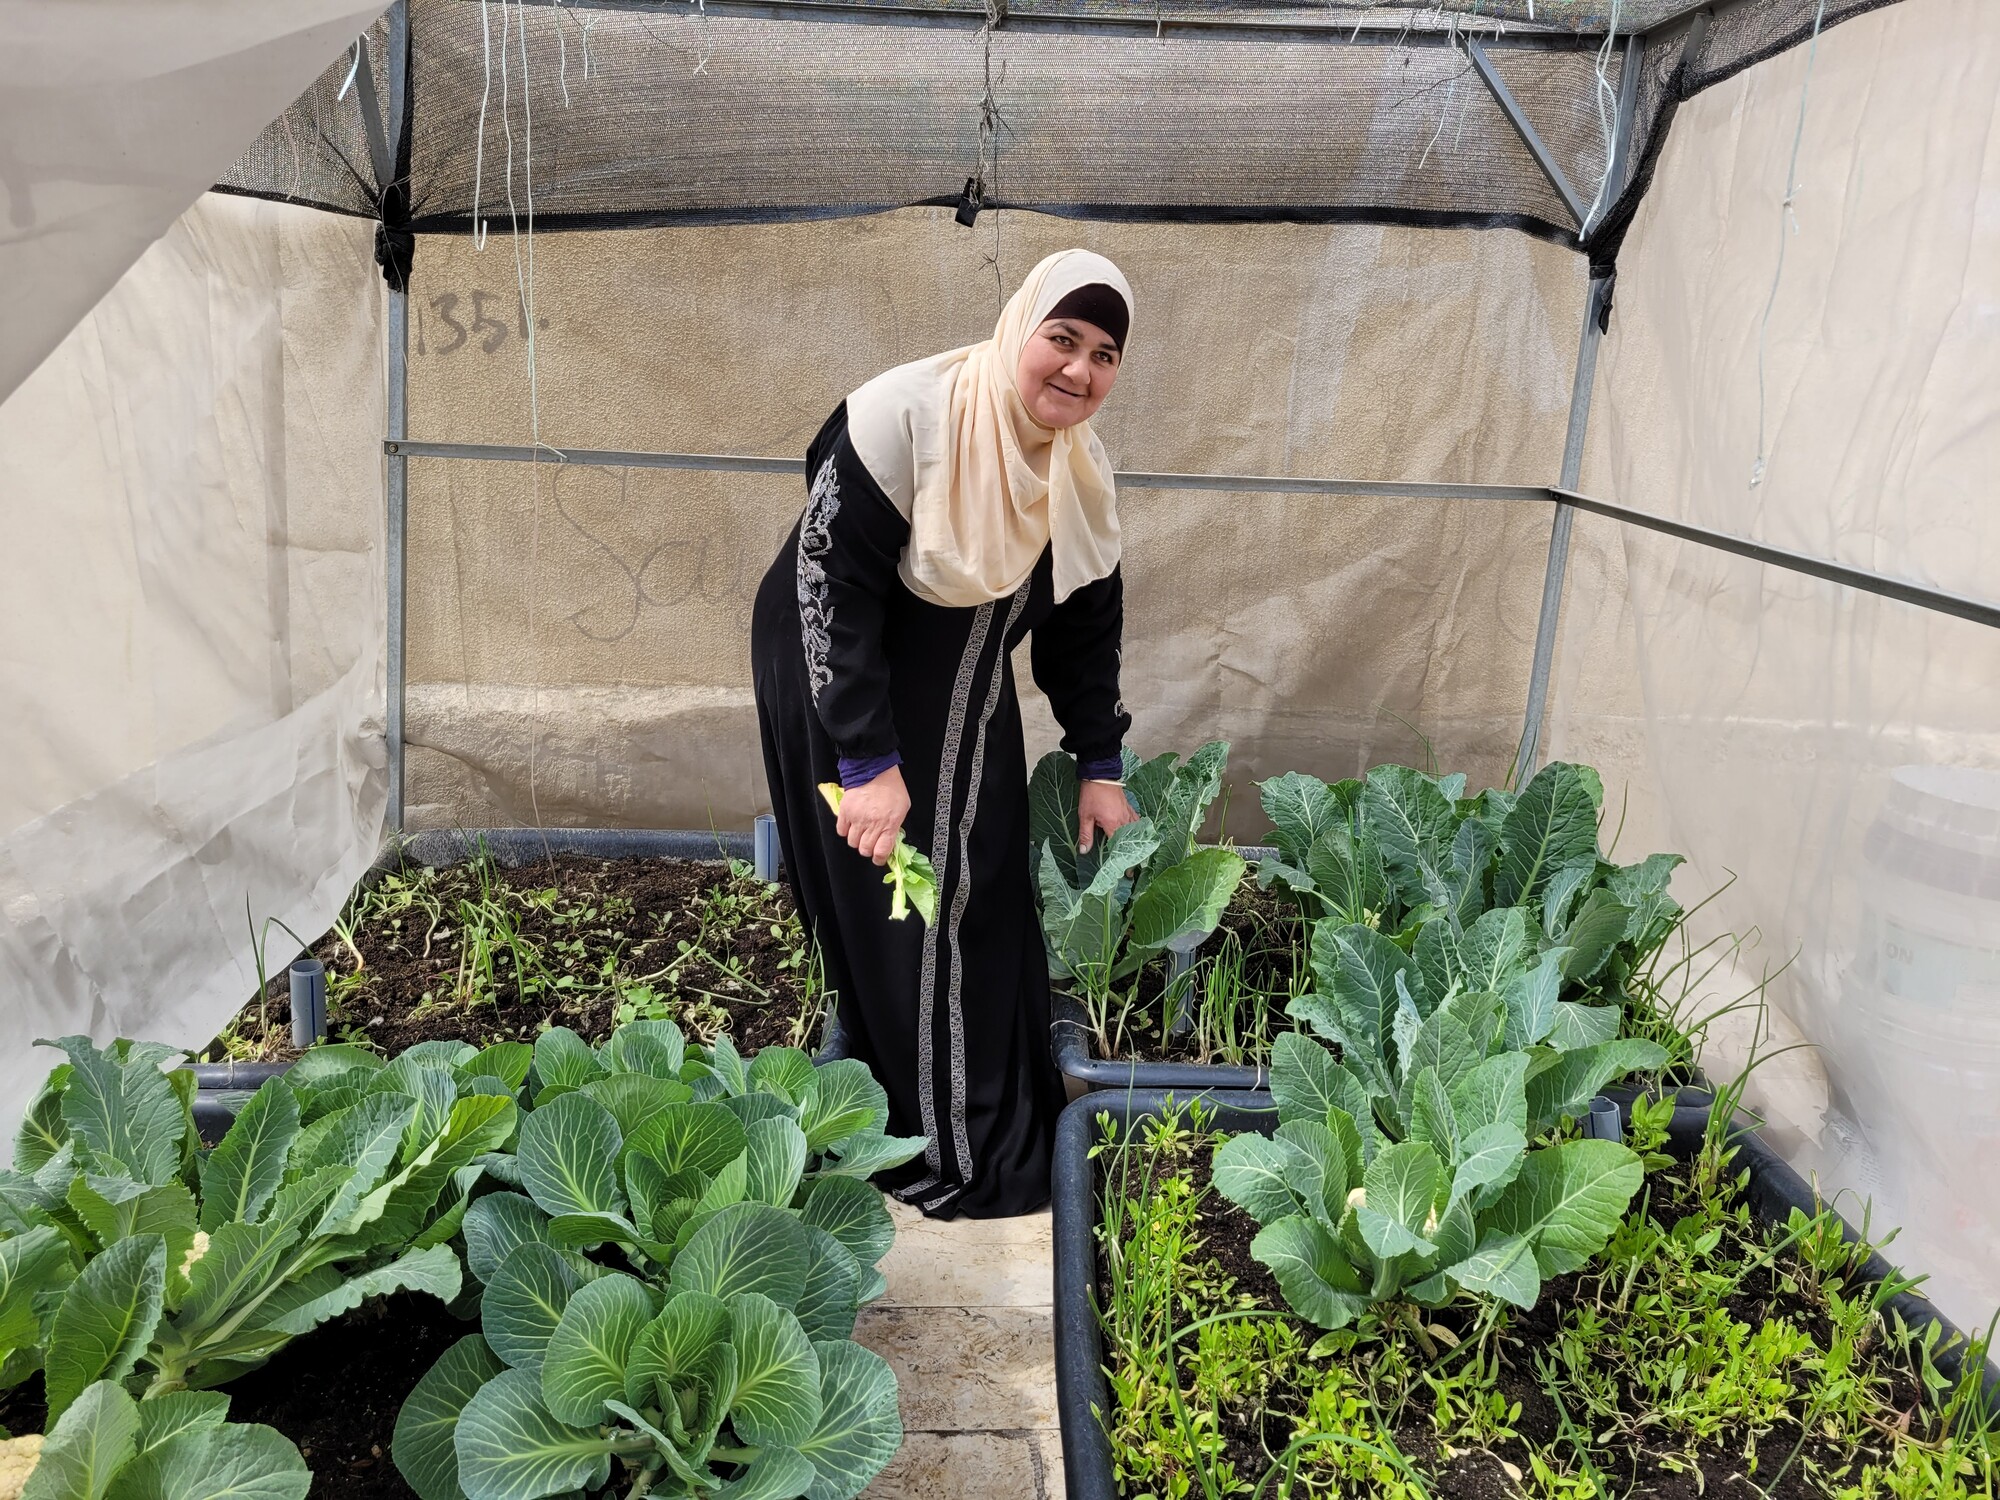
815,540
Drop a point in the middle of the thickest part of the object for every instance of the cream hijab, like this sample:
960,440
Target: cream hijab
984,486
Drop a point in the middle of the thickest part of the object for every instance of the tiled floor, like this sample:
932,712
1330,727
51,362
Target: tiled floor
967,1325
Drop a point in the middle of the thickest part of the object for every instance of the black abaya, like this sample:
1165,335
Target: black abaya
952,1018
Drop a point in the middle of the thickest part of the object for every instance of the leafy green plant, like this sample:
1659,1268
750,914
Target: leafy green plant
1401,850
1137,893
107,1446
132,1254
719,1357
910,877
1402,1175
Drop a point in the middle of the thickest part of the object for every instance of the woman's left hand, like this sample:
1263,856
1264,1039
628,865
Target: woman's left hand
1101,806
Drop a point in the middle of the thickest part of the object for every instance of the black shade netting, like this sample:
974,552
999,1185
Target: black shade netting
625,114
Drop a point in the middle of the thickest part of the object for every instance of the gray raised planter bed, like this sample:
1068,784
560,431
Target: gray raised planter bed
1069,1040
1773,1191
222,1088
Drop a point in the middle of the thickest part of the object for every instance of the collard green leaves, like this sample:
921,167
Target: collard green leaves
1147,887
1474,893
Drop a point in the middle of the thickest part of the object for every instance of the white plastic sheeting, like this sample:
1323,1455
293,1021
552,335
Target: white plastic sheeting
115,115
1837,754
191,601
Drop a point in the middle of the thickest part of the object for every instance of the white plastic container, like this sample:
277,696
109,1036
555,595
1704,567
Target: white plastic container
1927,985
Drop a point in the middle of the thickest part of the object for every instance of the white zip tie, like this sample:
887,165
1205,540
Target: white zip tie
353,68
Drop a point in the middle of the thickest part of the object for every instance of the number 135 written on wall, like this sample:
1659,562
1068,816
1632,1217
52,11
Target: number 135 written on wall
450,330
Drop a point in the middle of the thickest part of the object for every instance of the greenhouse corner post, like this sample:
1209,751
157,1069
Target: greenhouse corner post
397,494
1579,423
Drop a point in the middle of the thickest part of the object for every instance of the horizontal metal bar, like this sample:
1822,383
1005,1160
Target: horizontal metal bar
1360,32
720,463
734,463
1979,611
1511,108
1291,484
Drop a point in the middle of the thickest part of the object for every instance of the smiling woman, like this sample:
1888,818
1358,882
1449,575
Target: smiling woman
956,505
1069,362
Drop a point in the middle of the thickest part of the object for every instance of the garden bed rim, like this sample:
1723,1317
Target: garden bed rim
1069,1042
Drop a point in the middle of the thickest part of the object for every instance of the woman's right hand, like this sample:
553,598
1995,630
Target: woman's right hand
872,815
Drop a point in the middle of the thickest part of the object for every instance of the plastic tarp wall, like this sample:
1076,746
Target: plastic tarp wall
1838,754
114,117
579,636
190,693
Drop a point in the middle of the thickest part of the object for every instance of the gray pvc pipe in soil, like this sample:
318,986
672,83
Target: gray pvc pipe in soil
1773,1191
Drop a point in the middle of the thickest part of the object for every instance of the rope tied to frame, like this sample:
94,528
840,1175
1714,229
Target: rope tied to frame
986,170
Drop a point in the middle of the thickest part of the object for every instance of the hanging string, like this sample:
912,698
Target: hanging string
1607,118
707,40
479,137
514,28
1788,225
562,56
987,183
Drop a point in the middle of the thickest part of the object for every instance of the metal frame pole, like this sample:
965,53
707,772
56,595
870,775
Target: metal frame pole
397,491
1361,30
1557,568
396,539
1558,563
1537,148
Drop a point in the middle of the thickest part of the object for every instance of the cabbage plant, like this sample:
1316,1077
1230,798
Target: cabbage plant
1403,1174
669,1282
107,1446
134,1254
1146,888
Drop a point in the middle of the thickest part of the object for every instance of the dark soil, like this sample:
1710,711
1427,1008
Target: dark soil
586,927
1251,1436
336,1391
1267,927
23,1408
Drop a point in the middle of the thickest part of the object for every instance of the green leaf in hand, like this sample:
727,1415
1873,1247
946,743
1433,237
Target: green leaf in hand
911,879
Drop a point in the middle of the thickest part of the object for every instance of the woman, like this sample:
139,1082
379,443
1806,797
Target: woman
956,505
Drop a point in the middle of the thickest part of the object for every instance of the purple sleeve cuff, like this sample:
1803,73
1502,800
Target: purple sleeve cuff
860,772
1111,768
